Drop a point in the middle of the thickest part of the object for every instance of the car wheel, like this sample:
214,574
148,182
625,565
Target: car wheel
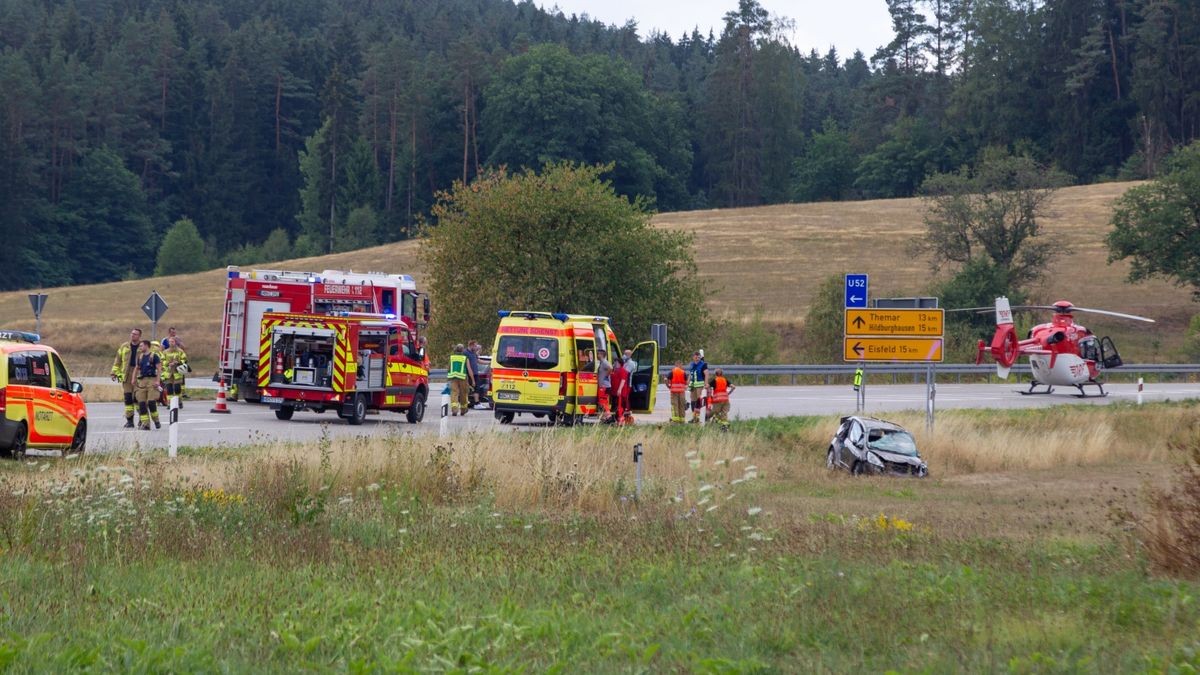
857,469
19,444
360,410
285,413
505,418
79,440
416,411
829,460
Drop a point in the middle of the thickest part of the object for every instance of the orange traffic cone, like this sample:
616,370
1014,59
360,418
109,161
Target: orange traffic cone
221,407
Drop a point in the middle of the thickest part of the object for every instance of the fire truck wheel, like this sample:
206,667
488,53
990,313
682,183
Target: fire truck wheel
285,413
416,411
359,412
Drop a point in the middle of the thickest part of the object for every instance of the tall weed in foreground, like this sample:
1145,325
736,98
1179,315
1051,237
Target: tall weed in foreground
1171,534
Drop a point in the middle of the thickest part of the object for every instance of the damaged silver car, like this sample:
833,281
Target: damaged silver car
865,445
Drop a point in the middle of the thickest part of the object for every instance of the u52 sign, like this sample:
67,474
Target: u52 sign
856,290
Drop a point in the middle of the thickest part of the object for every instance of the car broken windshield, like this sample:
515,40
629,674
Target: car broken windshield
893,441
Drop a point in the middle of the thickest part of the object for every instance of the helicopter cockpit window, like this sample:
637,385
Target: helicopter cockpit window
1089,348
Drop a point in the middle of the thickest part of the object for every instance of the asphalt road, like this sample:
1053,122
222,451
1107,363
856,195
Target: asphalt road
248,423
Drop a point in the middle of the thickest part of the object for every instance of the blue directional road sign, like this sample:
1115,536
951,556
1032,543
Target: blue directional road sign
856,290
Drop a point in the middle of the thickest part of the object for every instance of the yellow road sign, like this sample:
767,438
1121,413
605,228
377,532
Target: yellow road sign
892,349
894,322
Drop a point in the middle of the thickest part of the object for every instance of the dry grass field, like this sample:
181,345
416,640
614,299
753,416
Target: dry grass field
770,257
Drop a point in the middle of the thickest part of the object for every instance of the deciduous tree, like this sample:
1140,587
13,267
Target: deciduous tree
1156,226
561,240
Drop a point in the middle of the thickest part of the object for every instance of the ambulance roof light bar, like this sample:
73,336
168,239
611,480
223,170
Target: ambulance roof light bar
20,336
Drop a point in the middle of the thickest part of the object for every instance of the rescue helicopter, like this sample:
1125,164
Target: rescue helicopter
1061,353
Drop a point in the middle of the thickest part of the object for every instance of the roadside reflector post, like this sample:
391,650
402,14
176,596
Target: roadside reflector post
444,429
173,429
637,461
1139,391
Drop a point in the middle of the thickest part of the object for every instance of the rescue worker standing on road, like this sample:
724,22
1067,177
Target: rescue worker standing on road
174,357
677,384
697,376
603,382
618,393
719,389
462,380
149,381
123,371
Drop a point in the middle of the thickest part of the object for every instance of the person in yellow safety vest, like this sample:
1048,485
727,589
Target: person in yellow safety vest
462,380
697,376
174,369
149,381
677,384
719,390
123,369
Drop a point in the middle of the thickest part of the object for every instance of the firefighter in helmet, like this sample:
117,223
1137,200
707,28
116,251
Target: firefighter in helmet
175,368
123,371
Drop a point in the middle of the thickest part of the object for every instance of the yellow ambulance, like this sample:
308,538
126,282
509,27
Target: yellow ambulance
544,364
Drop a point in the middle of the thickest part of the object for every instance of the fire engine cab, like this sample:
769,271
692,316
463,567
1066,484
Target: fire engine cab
349,364
251,294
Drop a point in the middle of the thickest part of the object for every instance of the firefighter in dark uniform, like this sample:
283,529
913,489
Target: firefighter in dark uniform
123,371
149,385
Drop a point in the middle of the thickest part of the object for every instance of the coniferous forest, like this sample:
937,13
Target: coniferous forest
248,130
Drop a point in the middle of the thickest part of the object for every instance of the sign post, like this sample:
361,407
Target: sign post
658,333
173,429
154,307
38,301
637,460
890,333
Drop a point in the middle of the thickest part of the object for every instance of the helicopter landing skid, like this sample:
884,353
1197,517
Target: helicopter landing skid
1084,394
1034,385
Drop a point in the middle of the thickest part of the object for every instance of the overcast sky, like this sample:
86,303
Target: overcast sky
820,24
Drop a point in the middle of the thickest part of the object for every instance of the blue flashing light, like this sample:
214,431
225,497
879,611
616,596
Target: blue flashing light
234,274
561,316
20,336
504,313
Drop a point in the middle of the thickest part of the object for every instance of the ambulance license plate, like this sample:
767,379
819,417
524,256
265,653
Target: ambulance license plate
272,399
508,395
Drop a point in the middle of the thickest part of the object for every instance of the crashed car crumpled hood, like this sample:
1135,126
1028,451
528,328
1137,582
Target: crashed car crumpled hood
897,459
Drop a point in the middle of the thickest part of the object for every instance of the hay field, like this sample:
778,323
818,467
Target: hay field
770,257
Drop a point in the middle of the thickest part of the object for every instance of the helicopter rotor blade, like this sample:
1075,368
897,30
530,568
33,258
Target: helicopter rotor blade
1116,314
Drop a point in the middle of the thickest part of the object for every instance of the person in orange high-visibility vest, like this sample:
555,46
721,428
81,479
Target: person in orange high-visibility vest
676,383
719,390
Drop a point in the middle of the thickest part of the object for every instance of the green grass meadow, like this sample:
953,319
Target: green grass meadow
743,555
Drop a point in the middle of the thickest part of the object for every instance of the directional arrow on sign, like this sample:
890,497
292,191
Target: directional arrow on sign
857,349
855,299
858,322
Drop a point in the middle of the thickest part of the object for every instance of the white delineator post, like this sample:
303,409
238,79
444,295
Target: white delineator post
1139,391
444,429
173,429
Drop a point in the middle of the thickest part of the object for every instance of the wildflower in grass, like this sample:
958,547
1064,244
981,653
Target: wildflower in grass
705,488
694,463
373,487
711,508
344,500
529,527
757,536
754,510
730,496
704,501
690,454
737,459
404,512
745,528
720,462
404,530
496,514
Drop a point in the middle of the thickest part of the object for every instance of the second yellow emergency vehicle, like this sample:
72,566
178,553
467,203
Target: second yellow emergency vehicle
544,364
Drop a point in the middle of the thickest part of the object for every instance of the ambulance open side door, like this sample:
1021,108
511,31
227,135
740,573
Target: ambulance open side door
643,383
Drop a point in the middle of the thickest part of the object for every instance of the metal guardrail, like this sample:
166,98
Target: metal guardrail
827,372
916,370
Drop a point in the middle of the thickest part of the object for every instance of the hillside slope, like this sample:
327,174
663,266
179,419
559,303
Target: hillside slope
769,257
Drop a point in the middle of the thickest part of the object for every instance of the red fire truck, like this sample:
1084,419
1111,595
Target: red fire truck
350,364
250,294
